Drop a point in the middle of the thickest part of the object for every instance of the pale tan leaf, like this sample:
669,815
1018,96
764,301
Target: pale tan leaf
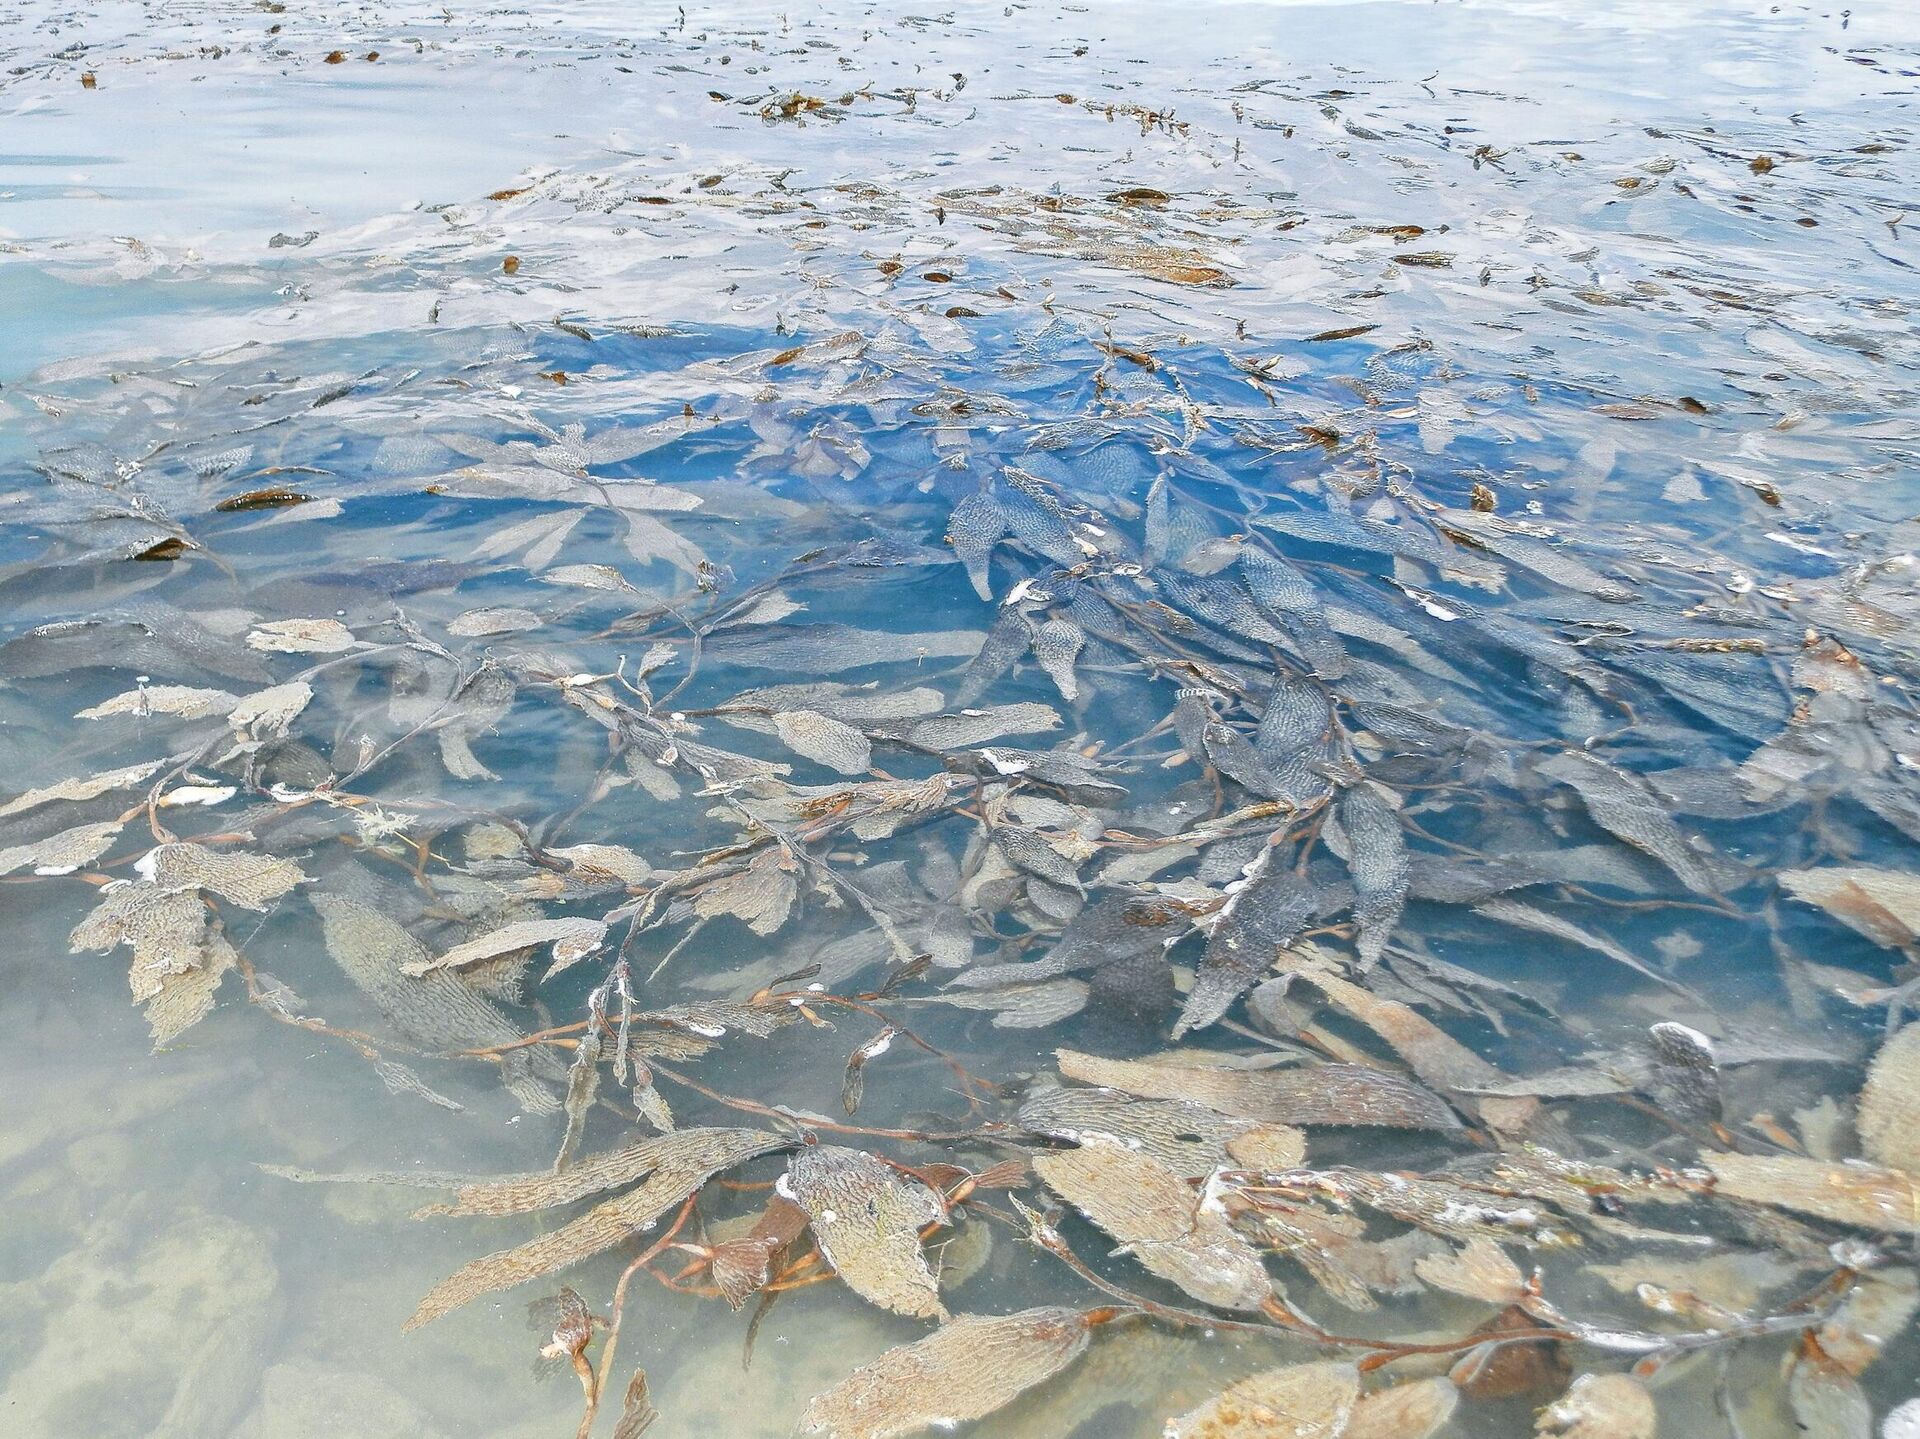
179,701
614,860
760,896
741,1266
185,997
1889,1118
1190,1140
1300,1401
1882,904
867,1219
1861,1195
240,877
525,1193
965,1369
75,790
1481,1270
1414,1410
588,577
1326,1094
824,740
439,1011
166,929
572,939
1713,1286
301,637
1827,1402
1877,1312
601,1227
636,1409
1160,1220
1430,1052
496,620
269,711
64,852
1268,1148
648,539
1601,1406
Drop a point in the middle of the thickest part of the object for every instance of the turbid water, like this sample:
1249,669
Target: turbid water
1080,720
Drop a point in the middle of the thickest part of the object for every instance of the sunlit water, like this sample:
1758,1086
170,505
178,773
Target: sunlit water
656,340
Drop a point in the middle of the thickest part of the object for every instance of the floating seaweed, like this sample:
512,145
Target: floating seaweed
769,654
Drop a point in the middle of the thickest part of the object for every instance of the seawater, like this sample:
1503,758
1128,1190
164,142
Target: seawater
1644,273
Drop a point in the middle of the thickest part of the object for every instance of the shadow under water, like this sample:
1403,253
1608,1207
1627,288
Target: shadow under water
1085,721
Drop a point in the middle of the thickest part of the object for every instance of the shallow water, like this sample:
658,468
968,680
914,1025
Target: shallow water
1528,394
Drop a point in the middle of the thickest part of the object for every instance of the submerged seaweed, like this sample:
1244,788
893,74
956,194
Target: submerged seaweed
1290,728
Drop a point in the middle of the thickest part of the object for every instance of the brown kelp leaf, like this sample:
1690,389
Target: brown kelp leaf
1377,860
439,1011
64,852
1601,1406
1190,1140
824,740
977,726
1022,1006
185,997
1429,1051
1414,1410
1300,1401
1512,1369
680,1150
1447,1207
1056,645
1685,1077
269,497
1862,1195
1882,904
572,940
588,577
965,1369
1333,1248
976,525
1889,1118
602,1227
401,1080
831,648
583,1086
1259,918
1160,1220
1033,851
867,1219
1481,1270
1312,1096
853,1084
1540,921
1717,1285
761,896
1627,807
636,1409
480,702
741,1266
76,790
614,862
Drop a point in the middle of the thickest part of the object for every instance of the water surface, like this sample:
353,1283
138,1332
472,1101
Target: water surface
1263,536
